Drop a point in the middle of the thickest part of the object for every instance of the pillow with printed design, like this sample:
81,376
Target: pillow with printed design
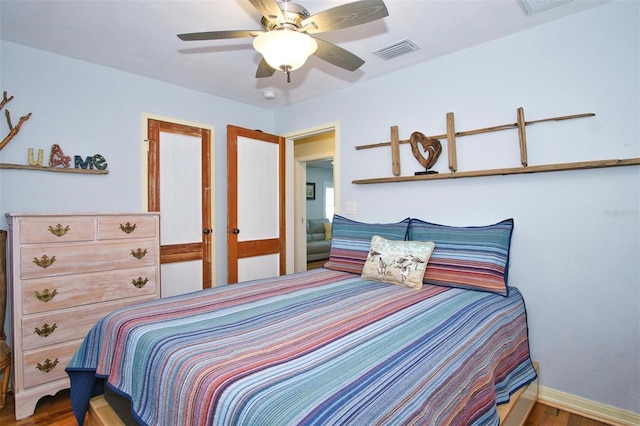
397,262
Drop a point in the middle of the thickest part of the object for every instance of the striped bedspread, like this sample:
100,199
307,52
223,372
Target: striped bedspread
320,347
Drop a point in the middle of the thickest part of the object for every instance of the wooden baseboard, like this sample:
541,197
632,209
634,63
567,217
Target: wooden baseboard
587,408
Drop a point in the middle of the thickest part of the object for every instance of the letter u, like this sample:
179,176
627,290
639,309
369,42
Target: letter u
32,162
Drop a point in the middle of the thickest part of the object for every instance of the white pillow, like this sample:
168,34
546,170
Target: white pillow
397,262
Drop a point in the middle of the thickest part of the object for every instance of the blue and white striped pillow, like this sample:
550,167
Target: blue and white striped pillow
475,257
351,240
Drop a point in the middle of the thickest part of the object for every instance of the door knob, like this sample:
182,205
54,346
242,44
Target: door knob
206,231
235,231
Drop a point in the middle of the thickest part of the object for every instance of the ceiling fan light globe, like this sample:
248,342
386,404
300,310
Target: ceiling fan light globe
285,48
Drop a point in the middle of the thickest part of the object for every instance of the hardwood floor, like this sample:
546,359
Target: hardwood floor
56,411
543,415
50,411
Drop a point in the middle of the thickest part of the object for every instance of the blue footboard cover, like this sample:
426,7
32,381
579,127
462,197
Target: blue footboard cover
320,347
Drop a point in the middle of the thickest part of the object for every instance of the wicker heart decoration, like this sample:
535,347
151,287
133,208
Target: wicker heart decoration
431,146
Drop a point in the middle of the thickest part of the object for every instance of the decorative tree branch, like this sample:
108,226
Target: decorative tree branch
12,130
4,99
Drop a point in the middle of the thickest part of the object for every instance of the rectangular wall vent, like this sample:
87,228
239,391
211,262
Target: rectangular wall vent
396,49
534,6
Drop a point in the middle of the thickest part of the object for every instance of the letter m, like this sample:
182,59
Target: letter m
79,164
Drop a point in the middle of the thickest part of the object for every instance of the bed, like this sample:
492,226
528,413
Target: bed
326,346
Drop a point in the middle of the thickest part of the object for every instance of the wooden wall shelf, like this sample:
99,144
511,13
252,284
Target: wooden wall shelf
508,171
451,135
54,169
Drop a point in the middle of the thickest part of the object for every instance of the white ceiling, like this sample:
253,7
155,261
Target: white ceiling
140,37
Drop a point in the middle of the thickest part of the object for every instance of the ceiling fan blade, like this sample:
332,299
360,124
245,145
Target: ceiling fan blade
337,55
344,16
264,69
269,9
218,35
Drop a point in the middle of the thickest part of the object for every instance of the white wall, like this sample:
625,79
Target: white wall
576,244
89,109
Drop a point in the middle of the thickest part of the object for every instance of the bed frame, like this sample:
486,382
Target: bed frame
515,413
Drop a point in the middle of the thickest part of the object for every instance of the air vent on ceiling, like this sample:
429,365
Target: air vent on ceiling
396,49
534,6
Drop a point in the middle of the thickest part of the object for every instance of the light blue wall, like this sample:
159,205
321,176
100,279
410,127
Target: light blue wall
576,244
319,176
89,109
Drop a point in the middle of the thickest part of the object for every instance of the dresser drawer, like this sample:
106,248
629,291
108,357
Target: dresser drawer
41,330
118,227
56,229
48,364
66,291
63,259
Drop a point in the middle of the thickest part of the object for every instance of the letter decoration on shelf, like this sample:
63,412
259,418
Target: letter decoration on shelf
56,158
97,161
37,162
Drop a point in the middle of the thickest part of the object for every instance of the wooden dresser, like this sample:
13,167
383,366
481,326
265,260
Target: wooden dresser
68,271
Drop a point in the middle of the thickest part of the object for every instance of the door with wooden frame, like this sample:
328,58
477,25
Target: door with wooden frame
179,187
256,242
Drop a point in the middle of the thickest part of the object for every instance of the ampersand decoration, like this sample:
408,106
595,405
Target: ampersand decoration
57,157
431,146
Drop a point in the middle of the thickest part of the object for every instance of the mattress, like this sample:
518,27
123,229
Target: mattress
318,347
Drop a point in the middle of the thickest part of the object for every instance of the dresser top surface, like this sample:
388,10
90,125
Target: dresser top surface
81,214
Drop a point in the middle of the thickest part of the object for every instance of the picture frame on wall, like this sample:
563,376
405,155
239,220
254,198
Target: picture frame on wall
311,191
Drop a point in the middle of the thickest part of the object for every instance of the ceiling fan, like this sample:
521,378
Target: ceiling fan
285,41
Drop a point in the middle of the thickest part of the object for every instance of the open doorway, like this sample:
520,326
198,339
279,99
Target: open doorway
320,206
315,194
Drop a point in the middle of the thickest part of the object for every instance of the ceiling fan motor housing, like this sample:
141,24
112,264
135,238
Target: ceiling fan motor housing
293,15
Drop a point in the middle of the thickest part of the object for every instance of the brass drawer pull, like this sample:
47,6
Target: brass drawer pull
139,253
44,262
140,282
59,231
46,329
46,295
128,227
48,365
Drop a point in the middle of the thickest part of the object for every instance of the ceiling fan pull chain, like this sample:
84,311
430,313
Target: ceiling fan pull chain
287,71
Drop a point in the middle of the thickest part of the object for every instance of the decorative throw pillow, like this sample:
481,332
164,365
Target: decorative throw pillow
476,258
327,231
350,241
397,262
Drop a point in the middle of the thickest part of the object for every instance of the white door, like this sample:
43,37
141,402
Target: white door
256,242
179,187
